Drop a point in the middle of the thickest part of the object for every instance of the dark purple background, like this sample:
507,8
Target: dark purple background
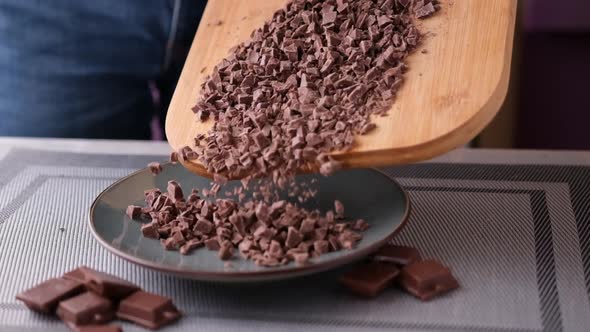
553,110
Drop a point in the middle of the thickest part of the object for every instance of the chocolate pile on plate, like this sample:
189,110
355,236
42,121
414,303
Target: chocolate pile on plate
425,279
269,234
87,300
304,85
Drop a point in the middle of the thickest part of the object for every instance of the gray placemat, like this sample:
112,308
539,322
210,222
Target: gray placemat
516,236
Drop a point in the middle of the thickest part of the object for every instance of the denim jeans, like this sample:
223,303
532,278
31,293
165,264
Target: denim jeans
83,69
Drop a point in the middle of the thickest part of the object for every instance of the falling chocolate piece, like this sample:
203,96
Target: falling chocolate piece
174,157
148,310
175,191
45,297
424,11
369,279
85,309
339,209
155,168
427,279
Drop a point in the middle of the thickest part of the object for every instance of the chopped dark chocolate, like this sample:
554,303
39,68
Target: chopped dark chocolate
212,244
174,157
273,229
226,250
328,168
321,246
339,209
305,85
269,88
175,191
133,212
86,309
427,279
150,230
148,310
369,279
45,297
190,245
155,168
360,225
427,9
301,258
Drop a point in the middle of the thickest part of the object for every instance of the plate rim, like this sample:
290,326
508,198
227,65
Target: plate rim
232,275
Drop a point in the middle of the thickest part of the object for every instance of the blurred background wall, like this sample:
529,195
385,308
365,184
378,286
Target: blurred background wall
548,104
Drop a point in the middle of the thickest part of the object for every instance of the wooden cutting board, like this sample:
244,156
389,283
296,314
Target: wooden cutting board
450,94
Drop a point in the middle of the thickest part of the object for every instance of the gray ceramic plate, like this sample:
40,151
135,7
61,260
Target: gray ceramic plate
366,194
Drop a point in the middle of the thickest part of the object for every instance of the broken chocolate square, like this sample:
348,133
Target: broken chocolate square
427,279
369,279
148,310
45,297
86,309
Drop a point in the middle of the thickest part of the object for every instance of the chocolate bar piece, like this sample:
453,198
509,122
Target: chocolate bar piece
76,275
399,255
85,309
45,296
369,279
149,310
98,328
107,285
427,279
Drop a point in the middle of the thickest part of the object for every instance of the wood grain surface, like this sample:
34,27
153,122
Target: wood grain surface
450,93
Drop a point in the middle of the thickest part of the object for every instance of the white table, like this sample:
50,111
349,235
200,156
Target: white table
513,225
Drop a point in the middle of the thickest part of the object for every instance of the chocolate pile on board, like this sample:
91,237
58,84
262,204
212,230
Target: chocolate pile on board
86,300
425,279
304,85
269,234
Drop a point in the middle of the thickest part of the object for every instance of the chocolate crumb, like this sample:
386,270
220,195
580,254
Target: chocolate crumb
155,168
133,211
427,9
174,157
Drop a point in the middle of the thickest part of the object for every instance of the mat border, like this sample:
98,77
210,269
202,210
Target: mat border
576,177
